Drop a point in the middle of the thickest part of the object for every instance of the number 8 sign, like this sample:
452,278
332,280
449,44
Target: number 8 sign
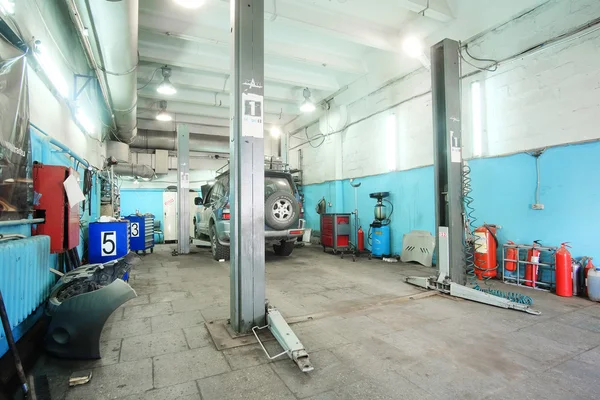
135,229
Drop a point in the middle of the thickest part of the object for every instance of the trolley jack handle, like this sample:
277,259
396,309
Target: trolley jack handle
287,339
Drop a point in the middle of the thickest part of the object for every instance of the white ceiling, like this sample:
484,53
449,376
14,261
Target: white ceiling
324,45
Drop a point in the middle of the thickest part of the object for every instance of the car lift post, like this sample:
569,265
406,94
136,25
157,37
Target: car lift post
183,188
248,307
447,166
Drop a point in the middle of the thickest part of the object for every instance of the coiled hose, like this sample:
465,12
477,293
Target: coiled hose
471,245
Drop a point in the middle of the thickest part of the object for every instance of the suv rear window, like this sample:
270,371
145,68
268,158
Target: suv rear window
275,184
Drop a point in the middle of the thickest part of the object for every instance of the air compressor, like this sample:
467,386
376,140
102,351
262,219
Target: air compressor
486,244
380,227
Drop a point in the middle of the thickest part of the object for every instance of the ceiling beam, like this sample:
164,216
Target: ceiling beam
154,27
434,9
150,113
154,125
338,25
220,64
216,83
214,99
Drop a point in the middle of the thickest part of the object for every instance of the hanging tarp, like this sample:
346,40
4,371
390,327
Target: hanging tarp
15,170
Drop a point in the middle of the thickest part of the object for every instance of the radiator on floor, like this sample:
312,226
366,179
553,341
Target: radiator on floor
25,277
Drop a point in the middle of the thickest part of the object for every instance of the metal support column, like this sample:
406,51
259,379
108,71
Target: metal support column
447,154
183,189
247,302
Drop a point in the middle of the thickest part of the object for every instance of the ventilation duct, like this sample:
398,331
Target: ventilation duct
114,25
126,169
118,150
167,140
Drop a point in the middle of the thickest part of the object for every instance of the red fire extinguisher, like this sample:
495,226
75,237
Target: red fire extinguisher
531,269
564,271
361,239
486,244
511,258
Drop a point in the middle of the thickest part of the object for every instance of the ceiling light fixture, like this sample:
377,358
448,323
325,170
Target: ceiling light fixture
190,3
166,87
413,47
7,6
308,105
275,131
163,115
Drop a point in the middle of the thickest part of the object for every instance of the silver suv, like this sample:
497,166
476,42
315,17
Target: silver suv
284,222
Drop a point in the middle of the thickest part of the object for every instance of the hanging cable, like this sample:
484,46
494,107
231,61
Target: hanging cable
491,68
151,78
310,140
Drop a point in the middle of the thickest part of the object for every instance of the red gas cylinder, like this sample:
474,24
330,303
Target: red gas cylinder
511,254
361,239
485,252
531,270
564,271
589,266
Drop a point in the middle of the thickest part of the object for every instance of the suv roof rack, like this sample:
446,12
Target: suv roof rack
271,164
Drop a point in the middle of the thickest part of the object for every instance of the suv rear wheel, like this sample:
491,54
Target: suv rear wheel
283,249
219,251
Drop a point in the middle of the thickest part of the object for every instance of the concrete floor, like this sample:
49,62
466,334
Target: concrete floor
157,347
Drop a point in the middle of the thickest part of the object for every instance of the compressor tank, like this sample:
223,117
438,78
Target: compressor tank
381,246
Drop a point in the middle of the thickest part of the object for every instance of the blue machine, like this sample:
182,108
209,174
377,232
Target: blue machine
380,227
108,241
141,229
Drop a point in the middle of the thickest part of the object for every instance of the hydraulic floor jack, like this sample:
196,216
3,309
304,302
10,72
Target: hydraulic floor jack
442,282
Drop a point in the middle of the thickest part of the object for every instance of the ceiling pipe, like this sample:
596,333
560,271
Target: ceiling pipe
114,25
126,169
167,140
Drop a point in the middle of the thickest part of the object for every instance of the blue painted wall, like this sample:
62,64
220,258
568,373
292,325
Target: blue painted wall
503,189
144,200
411,193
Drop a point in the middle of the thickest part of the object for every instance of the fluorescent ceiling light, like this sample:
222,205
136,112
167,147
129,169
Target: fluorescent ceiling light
51,70
413,47
190,3
307,106
166,87
275,131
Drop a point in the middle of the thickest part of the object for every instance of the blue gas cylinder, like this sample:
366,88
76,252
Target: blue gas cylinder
381,246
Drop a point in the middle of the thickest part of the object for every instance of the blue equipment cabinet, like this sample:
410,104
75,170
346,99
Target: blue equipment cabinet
108,241
141,232
381,241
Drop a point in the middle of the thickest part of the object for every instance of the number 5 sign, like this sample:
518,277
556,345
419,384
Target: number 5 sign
108,243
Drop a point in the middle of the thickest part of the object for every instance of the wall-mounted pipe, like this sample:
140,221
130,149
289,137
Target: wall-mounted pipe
60,146
114,26
126,169
22,222
167,140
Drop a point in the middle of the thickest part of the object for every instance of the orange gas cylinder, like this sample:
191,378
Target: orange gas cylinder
486,244
511,257
361,239
531,269
564,271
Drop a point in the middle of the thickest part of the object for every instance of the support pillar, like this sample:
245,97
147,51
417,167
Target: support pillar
183,189
247,274
447,154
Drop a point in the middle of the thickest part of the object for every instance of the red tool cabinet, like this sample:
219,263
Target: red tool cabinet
335,231
50,202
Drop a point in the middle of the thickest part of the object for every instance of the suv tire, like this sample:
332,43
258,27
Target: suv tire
284,249
281,210
219,251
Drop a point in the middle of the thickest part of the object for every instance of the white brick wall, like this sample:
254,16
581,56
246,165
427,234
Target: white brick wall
548,98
